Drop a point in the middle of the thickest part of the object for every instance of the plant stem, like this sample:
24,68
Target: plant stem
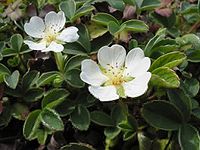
24,67
124,107
169,141
59,61
194,27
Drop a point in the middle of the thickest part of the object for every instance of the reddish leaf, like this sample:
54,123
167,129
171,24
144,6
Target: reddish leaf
31,10
165,12
129,12
111,9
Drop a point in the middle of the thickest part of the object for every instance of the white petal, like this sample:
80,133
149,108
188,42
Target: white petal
35,46
55,47
106,93
55,21
35,27
137,86
136,63
114,55
91,73
69,34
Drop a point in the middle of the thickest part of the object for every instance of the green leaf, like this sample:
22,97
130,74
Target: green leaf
80,118
84,10
13,61
2,45
12,80
101,118
191,39
72,77
33,94
51,119
84,38
65,108
117,4
3,72
29,79
85,99
182,101
136,26
54,97
119,113
4,69
198,6
113,27
19,111
167,22
96,30
152,42
165,77
16,42
74,48
165,46
169,60
77,146
5,116
129,127
9,52
193,55
31,124
46,78
162,115
129,2
104,18
144,142
191,86
128,135
188,137
99,42
74,62
147,5
196,112
69,8
111,132
41,136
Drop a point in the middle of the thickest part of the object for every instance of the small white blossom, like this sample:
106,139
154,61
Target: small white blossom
49,32
116,75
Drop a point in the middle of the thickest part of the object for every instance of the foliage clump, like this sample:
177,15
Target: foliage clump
100,74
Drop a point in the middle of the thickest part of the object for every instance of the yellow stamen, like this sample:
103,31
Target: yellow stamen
115,75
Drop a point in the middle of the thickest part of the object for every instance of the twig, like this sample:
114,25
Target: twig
194,27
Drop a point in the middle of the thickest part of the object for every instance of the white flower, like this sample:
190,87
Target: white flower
116,75
49,32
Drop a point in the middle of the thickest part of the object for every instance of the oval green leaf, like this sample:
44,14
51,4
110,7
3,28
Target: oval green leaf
136,26
51,120
189,138
101,119
80,118
104,18
162,115
31,124
54,97
165,77
169,60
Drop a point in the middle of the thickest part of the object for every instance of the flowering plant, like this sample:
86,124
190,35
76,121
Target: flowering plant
117,75
49,32
99,74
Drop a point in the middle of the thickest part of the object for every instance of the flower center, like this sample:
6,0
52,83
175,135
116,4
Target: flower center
49,37
115,75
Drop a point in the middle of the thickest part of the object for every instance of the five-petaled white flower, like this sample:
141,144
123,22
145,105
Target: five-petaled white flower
116,75
49,32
